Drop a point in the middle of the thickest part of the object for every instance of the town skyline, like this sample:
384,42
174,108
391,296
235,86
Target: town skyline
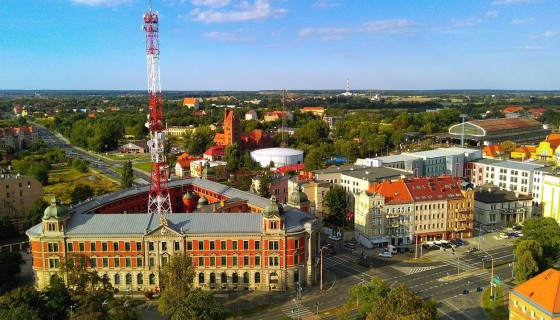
224,45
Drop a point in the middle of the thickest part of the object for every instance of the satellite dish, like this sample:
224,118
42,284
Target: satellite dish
150,143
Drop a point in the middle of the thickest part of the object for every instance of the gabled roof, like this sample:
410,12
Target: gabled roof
493,150
553,136
526,149
187,101
542,290
512,109
394,191
216,151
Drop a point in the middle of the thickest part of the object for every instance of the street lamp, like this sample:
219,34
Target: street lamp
321,285
491,278
479,234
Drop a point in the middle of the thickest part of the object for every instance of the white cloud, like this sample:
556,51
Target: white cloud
506,2
492,14
259,10
523,21
471,22
210,3
96,3
529,48
551,34
221,36
372,27
323,4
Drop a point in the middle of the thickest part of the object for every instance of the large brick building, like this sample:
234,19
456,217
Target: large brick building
237,240
257,139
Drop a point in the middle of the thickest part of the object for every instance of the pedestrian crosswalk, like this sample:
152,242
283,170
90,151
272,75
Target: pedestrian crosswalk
413,270
339,259
462,265
295,311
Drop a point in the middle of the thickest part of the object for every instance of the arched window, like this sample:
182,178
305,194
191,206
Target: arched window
117,279
235,277
201,278
152,278
139,279
224,277
296,276
246,277
257,277
273,277
128,278
212,277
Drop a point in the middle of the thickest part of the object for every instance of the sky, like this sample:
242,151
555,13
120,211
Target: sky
283,44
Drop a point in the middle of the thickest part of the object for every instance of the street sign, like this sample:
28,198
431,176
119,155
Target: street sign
496,280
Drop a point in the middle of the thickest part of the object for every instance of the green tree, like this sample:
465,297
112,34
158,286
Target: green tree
264,183
509,146
200,305
176,280
7,228
529,255
313,160
10,264
35,213
337,202
546,231
232,156
199,141
122,308
312,132
58,299
127,177
22,303
81,192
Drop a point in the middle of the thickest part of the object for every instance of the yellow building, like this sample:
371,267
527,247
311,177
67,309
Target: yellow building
524,152
537,298
550,197
545,150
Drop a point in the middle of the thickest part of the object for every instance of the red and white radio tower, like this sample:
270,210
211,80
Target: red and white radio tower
159,201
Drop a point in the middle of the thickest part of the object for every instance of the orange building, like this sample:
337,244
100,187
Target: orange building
245,140
237,240
317,111
536,298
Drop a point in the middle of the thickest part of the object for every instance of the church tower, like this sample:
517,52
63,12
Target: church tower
232,128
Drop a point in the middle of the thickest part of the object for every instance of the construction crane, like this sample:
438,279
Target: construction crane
159,200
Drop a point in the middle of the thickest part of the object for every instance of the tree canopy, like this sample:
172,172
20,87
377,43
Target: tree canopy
337,202
127,177
545,231
529,255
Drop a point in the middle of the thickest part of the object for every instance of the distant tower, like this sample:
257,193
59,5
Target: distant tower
347,86
159,201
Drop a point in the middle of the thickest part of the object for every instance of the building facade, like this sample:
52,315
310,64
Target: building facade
17,197
536,298
494,205
235,243
550,196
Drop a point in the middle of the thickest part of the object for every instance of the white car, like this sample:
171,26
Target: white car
385,254
335,238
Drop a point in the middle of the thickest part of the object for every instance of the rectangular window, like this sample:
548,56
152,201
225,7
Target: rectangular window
93,247
245,260
138,246
70,247
257,245
212,245
200,245
115,246
273,261
139,262
176,245
104,246
105,262
223,245
201,261
296,243
224,261
245,245
273,245
127,246
234,261
164,260
151,262
82,246
189,245
128,262
53,263
164,246
257,261
150,246
117,262
53,247
234,245
93,262
212,261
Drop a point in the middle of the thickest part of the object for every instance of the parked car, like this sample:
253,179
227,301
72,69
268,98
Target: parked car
385,254
492,229
335,238
460,242
519,234
517,228
513,234
391,248
503,235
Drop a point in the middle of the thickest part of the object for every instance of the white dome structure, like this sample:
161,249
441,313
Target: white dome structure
280,156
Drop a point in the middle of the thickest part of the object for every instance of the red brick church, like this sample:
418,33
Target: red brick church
257,139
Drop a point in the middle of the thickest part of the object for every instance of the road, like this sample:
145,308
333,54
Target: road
98,162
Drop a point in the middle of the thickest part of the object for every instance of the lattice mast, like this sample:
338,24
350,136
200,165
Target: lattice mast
159,201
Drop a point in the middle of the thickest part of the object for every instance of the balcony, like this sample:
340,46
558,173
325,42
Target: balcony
462,228
392,215
464,218
393,225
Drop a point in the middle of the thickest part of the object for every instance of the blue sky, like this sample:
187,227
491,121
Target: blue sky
277,44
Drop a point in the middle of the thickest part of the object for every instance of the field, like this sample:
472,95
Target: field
63,179
144,166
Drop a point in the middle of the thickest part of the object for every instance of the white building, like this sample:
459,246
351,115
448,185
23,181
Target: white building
279,156
495,206
511,175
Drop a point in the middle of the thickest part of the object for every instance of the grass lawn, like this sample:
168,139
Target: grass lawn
497,309
253,310
126,156
63,179
144,166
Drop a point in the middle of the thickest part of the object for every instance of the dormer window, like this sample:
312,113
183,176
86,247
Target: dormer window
274,224
51,226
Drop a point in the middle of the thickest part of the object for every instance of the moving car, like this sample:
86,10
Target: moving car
385,254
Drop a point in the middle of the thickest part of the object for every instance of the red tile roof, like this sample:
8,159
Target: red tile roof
434,188
542,290
187,101
216,151
313,108
394,191
292,167
493,150
505,124
185,159
513,109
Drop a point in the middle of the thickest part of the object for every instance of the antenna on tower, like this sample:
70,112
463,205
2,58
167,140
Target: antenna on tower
347,86
158,200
